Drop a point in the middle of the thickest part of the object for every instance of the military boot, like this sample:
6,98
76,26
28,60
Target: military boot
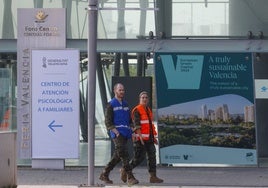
131,180
154,178
104,176
123,175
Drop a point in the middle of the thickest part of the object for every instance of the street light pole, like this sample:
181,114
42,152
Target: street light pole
92,64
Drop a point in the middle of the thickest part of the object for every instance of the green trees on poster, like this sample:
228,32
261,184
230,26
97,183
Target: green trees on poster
193,131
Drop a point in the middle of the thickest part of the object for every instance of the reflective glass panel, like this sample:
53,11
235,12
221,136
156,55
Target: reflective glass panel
127,19
200,18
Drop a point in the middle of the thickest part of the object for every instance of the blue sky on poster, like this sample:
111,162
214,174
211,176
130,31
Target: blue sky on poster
235,104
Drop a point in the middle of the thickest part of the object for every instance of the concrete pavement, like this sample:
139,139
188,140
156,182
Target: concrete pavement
183,177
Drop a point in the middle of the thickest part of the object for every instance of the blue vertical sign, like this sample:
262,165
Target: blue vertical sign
55,104
206,108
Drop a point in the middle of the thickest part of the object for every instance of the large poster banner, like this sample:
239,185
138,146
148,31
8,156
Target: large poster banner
205,108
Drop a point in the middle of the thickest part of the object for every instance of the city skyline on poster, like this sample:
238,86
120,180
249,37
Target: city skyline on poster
236,105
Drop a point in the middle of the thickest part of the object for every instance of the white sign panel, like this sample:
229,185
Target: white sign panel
261,88
55,103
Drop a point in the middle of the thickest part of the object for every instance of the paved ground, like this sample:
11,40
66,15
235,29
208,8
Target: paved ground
74,177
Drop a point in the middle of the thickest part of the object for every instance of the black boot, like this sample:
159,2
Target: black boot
131,180
104,176
154,178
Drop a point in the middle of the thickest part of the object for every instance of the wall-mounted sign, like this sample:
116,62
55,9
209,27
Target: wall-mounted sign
55,103
261,88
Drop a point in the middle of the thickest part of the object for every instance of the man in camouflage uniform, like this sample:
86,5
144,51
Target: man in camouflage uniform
117,121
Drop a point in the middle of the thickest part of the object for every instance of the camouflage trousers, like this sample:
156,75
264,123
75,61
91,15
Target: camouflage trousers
141,151
120,154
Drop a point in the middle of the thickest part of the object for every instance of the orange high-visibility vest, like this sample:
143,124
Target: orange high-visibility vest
144,122
5,122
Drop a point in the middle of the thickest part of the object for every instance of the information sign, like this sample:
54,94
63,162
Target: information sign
55,103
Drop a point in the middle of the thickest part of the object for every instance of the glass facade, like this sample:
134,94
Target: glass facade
132,19
7,94
117,19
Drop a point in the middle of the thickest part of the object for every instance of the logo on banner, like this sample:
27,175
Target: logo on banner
54,62
264,89
44,62
185,73
41,16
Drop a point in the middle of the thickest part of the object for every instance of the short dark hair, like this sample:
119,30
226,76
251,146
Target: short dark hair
117,84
